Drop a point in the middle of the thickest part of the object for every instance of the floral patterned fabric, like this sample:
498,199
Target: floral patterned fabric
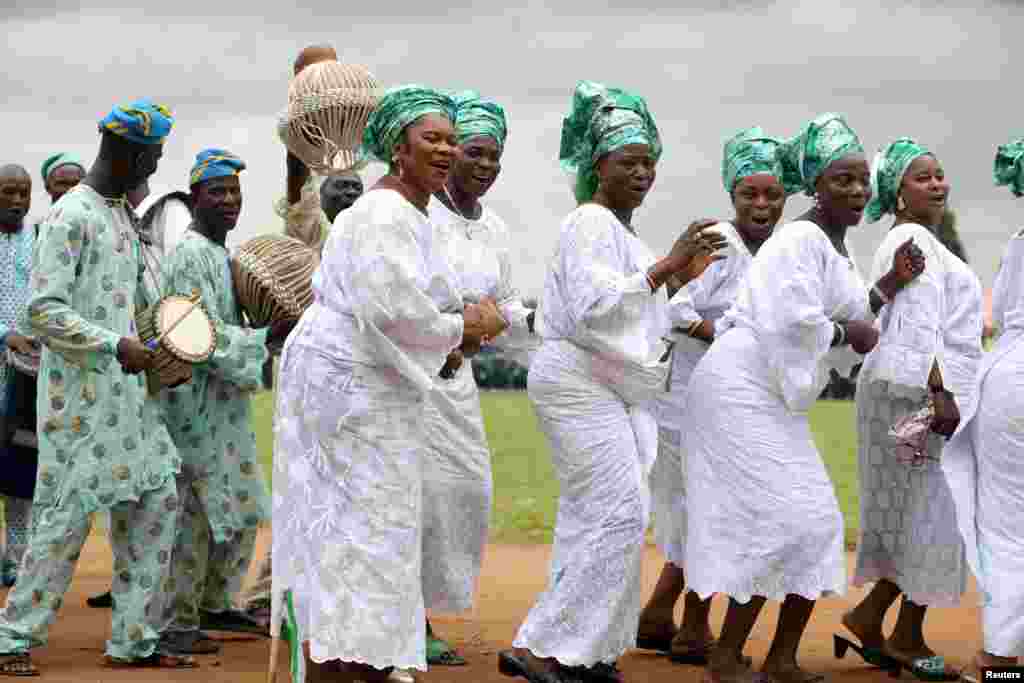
94,444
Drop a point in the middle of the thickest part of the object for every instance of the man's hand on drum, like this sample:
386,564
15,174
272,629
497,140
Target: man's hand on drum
21,344
482,323
134,356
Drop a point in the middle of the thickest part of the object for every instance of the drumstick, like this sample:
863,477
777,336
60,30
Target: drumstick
195,299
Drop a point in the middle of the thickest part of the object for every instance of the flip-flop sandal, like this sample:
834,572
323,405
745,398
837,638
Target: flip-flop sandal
17,665
440,653
931,669
656,643
874,656
154,661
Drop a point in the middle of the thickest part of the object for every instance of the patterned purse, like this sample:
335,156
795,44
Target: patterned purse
911,433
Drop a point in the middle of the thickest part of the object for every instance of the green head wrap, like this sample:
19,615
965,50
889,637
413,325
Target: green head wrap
475,116
751,152
398,108
887,171
1009,167
823,140
58,160
603,120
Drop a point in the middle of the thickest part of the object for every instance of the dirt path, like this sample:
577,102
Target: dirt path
512,577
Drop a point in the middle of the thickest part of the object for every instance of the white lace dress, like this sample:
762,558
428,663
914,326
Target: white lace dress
457,461
592,384
705,298
984,466
762,516
348,440
908,531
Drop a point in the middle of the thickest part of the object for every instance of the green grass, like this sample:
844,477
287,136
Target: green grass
525,488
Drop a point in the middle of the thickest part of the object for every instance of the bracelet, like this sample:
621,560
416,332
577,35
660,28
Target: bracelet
842,334
881,295
694,327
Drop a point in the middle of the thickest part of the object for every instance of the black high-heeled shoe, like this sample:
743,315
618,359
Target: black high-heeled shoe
513,665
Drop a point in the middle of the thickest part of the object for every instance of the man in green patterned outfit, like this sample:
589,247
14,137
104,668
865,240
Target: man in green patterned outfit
98,448
221,490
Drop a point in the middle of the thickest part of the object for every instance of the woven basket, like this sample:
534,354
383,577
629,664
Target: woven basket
273,277
328,105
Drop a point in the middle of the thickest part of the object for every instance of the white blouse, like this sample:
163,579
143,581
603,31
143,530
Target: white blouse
596,298
936,318
478,251
796,288
709,296
384,293
1008,290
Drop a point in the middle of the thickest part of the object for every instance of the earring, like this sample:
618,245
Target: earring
817,201
900,204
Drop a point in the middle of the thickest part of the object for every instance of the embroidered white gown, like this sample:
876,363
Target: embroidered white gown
457,483
347,508
984,464
908,531
592,384
707,297
762,516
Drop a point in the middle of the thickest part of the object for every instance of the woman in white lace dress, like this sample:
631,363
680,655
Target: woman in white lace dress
753,175
930,345
762,516
983,461
354,374
602,318
457,465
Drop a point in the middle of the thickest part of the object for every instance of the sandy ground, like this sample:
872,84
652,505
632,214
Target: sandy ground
513,575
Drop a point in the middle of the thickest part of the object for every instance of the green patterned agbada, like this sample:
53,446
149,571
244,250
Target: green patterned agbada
209,417
887,171
101,444
93,444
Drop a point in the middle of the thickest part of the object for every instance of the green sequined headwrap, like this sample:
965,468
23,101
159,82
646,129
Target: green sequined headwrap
602,120
399,107
751,152
1009,166
476,116
825,139
887,171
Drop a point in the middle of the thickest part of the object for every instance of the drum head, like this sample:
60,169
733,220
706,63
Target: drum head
192,339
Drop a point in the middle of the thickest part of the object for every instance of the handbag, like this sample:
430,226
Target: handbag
911,433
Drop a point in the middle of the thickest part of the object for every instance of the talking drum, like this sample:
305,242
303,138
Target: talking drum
273,277
328,105
180,334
